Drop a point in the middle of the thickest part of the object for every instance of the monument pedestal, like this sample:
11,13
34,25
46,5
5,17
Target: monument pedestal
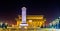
23,24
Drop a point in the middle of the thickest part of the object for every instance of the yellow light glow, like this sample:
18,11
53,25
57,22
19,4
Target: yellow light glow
19,26
25,27
30,20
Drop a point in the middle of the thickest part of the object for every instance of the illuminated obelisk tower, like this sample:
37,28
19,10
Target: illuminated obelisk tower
23,17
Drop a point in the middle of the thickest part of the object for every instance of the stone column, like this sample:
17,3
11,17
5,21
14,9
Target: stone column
23,17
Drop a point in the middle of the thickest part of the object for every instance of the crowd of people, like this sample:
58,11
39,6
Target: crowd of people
3,25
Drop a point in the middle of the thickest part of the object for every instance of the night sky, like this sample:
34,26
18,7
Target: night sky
9,10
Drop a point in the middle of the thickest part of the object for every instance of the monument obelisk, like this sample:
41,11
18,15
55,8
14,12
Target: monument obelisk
23,17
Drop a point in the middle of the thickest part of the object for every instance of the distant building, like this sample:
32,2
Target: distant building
32,20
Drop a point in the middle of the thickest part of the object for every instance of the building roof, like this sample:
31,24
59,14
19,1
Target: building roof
32,17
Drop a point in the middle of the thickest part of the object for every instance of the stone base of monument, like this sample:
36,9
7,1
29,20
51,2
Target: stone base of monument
23,24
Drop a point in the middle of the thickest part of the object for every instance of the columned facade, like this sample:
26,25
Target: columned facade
32,20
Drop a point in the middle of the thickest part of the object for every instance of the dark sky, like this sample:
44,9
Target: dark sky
9,10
